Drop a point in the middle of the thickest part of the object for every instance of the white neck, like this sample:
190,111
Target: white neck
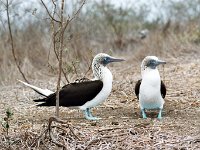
102,73
151,76
106,77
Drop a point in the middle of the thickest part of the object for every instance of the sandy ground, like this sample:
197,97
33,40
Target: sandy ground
121,126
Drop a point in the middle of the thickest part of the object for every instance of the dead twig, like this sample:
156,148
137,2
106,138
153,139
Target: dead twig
92,142
55,119
89,68
70,128
12,42
75,70
114,135
109,129
54,35
61,36
38,140
74,15
52,17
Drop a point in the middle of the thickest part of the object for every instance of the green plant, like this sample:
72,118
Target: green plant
6,122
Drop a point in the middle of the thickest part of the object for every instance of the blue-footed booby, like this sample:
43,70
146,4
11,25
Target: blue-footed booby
150,90
84,94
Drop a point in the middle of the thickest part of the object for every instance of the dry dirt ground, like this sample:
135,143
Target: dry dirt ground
121,126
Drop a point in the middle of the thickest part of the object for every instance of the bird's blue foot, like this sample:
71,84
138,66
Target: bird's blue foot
89,116
92,118
160,114
143,114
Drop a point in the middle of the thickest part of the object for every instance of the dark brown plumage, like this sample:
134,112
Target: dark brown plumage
74,94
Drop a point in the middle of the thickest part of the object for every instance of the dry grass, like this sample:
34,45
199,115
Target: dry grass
121,126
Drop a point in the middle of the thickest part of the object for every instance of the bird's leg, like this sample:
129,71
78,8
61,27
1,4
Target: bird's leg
89,112
88,115
143,114
160,114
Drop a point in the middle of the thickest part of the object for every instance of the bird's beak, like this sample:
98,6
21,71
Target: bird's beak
112,59
161,62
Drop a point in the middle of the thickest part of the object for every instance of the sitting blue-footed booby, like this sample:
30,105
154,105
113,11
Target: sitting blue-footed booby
84,94
150,90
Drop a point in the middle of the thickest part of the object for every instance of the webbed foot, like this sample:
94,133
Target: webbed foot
160,114
143,114
89,116
92,118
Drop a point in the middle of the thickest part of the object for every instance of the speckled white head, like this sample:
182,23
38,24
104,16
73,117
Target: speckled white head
100,61
104,59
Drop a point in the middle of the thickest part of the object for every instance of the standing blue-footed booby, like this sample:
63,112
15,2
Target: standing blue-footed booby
85,94
150,90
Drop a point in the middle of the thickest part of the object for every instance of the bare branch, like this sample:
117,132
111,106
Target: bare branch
60,57
78,11
12,42
54,48
75,70
74,15
89,68
89,64
52,18
55,119
51,119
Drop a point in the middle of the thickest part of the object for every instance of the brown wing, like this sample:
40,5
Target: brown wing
74,94
162,88
137,88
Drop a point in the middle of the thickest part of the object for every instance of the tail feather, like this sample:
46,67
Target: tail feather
43,104
44,92
39,100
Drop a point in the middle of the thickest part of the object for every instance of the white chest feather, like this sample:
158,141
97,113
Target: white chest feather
107,79
150,96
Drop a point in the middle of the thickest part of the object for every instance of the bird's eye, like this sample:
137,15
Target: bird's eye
105,60
151,62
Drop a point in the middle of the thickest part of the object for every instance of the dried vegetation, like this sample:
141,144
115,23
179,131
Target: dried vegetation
121,126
